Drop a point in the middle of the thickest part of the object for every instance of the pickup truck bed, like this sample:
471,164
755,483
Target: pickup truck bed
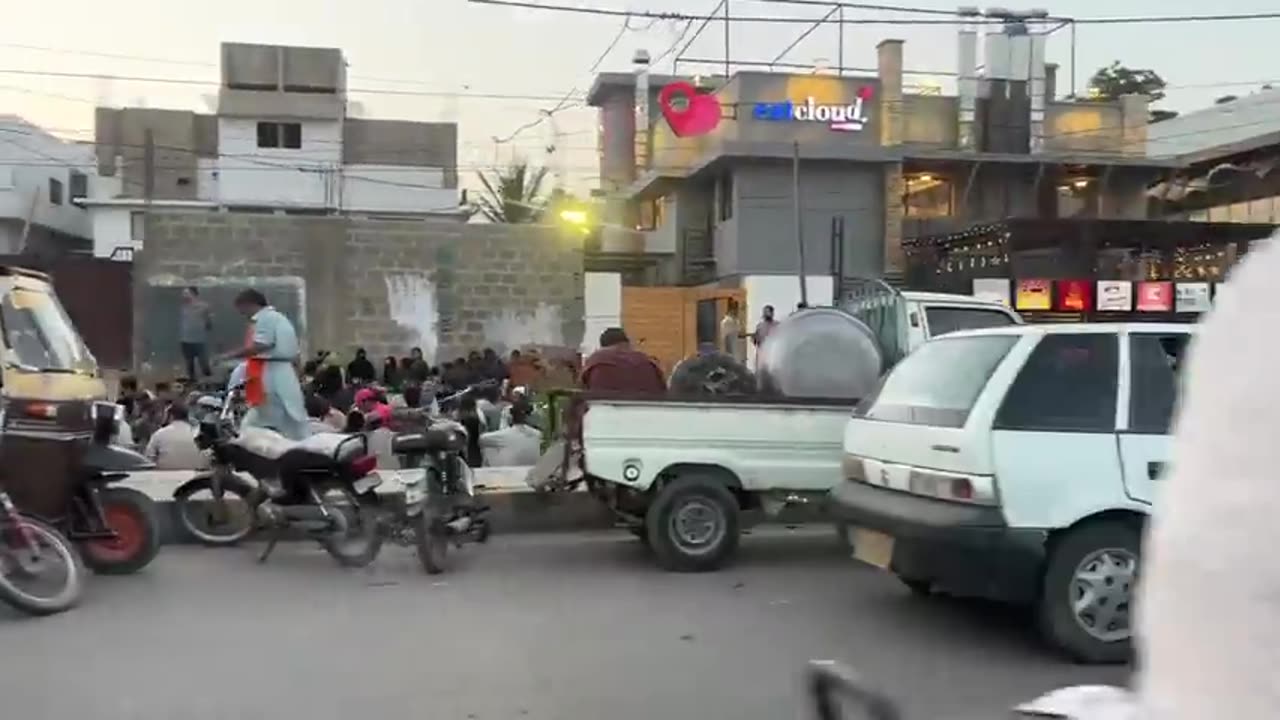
765,443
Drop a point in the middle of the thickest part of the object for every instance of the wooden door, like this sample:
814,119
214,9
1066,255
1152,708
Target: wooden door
653,317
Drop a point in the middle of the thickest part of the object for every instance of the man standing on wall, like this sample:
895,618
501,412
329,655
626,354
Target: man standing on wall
193,332
271,388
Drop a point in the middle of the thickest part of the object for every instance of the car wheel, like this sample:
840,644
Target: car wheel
693,525
1086,603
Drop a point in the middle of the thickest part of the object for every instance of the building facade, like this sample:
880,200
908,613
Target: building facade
283,139
41,176
848,166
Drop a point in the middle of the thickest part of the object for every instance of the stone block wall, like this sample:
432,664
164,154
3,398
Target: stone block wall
383,285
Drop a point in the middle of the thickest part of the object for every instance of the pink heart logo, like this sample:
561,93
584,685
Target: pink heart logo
699,116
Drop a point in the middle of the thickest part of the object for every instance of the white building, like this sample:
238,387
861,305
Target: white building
282,140
40,174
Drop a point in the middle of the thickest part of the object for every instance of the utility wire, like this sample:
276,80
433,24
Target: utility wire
787,19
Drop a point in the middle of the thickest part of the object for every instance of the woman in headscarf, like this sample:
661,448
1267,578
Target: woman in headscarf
391,372
360,368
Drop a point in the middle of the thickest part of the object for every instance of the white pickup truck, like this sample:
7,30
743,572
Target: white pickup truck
681,472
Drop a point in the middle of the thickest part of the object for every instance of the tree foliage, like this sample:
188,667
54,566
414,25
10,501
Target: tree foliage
513,194
1114,80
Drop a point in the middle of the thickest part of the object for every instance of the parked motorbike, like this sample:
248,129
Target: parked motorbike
323,486
835,688
31,550
116,528
440,505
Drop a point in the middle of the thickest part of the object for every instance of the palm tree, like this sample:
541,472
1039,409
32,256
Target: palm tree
514,195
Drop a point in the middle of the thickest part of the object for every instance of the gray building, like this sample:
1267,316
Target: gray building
284,136
719,208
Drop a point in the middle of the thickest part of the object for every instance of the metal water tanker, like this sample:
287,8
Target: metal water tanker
820,353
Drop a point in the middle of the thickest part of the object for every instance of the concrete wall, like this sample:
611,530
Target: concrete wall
760,238
401,142
178,136
383,285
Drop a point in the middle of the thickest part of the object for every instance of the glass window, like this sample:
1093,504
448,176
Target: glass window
268,135
1154,362
1067,385
40,335
79,185
928,196
939,383
291,135
726,196
55,191
950,319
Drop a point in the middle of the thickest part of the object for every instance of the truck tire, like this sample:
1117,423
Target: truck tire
1100,558
693,525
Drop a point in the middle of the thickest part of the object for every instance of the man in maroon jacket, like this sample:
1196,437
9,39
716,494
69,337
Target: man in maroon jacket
617,367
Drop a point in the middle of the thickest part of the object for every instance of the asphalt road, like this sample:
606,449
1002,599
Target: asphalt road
551,627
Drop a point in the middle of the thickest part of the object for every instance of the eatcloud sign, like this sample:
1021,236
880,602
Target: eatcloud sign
841,117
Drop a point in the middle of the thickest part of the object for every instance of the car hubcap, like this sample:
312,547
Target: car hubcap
697,526
1100,593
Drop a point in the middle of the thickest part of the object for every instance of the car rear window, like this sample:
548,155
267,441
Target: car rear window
938,383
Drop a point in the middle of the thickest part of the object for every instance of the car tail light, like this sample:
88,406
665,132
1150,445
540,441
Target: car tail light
853,468
979,490
364,465
40,410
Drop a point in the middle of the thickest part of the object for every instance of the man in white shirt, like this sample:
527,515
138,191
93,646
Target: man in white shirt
173,447
519,445
731,335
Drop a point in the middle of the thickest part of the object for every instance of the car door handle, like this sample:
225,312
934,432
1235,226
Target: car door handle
1154,469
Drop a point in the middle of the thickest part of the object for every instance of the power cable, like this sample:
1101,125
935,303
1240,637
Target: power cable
786,19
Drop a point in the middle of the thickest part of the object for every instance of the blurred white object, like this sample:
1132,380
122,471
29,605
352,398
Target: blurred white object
1082,702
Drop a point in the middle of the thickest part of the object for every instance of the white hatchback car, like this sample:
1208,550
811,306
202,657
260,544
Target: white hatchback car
1019,464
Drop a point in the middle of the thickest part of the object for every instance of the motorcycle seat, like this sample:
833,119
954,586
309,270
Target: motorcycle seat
317,452
441,439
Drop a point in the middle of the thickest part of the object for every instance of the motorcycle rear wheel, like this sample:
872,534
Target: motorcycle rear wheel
67,595
360,540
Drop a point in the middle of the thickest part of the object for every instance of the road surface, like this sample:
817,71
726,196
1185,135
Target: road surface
534,627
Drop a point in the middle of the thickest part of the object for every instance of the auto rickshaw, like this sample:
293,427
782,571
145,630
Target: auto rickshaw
57,460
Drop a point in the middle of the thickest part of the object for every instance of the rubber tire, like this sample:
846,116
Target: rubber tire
242,492
1057,623
70,594
432,547
143,506
373,536
919,588
657,518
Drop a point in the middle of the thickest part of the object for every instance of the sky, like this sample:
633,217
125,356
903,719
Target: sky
494,70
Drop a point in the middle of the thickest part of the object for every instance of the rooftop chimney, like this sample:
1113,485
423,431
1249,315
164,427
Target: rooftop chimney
967,85
640,65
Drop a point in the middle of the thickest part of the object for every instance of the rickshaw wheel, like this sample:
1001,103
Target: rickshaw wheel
132,515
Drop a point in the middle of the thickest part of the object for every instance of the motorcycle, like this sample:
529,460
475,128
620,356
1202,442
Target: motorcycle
440,504
29,550
832,686
324,486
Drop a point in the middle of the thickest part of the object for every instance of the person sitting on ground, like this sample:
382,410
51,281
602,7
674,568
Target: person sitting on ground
369,403
487,404
173,447
360,367
318,414
617,367
128,396
518,445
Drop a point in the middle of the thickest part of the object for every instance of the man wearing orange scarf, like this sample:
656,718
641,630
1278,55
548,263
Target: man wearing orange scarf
272,390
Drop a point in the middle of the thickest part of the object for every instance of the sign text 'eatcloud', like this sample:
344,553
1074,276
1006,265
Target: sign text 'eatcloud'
843,117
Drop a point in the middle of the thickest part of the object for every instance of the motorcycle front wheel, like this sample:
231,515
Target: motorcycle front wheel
52,591
357,539
222,519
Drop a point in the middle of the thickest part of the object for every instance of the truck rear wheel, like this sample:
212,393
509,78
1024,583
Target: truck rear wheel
693,525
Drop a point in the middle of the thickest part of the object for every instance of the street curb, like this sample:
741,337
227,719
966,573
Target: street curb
513,512
510,512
